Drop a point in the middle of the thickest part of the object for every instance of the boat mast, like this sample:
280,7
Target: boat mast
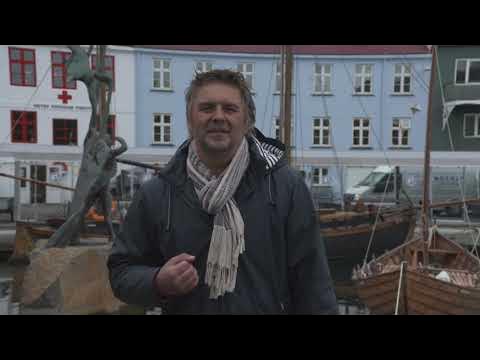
286,72
428,145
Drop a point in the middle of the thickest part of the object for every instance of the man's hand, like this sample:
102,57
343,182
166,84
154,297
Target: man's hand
177,277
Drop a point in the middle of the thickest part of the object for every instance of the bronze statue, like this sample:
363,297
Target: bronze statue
98,160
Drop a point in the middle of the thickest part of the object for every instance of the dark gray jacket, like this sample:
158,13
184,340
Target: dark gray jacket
283,269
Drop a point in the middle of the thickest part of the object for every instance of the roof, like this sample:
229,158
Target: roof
301,49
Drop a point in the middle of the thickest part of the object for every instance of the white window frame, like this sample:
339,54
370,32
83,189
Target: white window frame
400,129
363,75
276,128
402,75
203,66
161,70
242,68
361,128
320,179
321,128
323,74
476,125
162,127
467,72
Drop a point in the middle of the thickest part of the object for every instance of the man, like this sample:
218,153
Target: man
227,227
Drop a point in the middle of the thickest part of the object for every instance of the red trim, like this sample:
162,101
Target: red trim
22,63
65,85
61,130
108,69
24,120
301,49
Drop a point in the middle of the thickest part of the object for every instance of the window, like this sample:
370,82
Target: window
400,132
203,66
162,128
319,176
162,78
361,132
363,79
471,125
322,78
59,71
22,67
321,131
247,72
64,132
23,174
278,130
24,127
402,79
467,71
278,78
109,67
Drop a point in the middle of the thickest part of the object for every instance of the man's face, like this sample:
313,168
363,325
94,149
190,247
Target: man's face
218,119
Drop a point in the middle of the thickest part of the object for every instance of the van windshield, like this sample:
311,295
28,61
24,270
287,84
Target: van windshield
371,179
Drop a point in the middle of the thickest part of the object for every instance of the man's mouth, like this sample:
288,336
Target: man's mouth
217,131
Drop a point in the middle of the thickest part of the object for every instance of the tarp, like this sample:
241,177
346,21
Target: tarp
450,105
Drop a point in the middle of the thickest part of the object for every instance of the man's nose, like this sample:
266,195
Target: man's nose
219,113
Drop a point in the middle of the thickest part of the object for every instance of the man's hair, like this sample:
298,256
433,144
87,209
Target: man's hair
224,76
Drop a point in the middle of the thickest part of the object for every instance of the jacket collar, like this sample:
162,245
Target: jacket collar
175,171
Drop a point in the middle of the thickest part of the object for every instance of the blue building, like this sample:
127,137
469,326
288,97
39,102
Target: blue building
354,106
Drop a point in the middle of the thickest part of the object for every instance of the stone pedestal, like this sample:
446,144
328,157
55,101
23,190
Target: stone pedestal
72,280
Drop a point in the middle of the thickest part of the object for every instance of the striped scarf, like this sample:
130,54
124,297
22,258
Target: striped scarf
216,197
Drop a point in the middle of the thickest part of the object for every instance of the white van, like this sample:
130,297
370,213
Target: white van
446,185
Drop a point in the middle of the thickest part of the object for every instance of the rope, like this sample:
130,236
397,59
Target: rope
372,128
298,122
475,243
334,149
17,121
399,287
452,149
417,77
376,220
268,95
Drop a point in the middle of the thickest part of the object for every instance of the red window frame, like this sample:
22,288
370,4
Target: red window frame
65,84
63,126
20,119
22,63
108,69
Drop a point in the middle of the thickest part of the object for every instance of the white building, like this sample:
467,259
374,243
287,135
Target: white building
44,119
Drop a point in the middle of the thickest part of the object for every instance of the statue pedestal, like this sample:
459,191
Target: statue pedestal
71,280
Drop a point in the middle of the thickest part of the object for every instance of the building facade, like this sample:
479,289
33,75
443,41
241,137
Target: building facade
354,106
44,118
456,99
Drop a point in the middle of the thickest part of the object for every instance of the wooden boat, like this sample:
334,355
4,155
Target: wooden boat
428,275
348,235
44,230
399,274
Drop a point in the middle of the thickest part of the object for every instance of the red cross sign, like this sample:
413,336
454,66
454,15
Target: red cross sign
65,97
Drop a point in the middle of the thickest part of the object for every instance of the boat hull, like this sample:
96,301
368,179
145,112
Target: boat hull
346,245
417,289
